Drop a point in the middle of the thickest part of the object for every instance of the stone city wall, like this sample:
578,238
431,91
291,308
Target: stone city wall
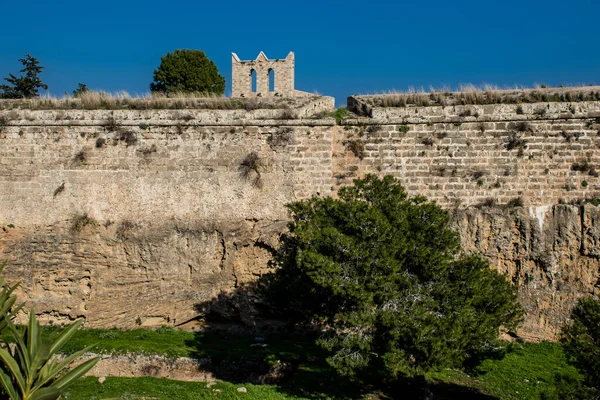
136,217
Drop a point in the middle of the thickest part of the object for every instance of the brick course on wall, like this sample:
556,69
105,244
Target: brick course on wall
490,152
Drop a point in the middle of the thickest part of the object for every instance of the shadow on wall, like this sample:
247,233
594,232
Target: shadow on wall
248,340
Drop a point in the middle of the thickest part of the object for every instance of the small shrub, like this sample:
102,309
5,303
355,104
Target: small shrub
520,109
78,222
100,142
111,125
252,163
489,203
80,158
516,202
340,114
404,128
465,113
523,126
569,136
480,182
146,151
59,190
481,126
144,126
515,142
569,186
582,165
129,137
124,229
289,113
357,147
584,184
282,138
477,174
427,141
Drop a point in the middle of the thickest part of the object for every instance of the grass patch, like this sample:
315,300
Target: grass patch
526,372
164,389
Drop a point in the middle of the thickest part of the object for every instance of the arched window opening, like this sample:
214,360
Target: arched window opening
253,79
271,80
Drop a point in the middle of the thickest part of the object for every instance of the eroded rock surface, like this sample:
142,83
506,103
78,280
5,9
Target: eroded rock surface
126,275
139,276
550,252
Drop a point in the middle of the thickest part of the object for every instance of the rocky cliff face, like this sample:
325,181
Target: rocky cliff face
125,275
122,275
550,252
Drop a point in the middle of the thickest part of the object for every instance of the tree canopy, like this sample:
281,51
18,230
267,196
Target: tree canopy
581,340
384,274
187,71
24,86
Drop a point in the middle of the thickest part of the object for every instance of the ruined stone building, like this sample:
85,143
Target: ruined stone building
263,77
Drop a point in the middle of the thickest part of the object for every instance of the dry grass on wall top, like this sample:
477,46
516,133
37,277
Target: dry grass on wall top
470,94
92,100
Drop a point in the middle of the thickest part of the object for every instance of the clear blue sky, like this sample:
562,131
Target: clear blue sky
342,48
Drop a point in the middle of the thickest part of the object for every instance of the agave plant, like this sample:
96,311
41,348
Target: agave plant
7,301
31,370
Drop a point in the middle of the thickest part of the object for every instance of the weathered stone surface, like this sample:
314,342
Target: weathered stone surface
172,223
152,276
545,251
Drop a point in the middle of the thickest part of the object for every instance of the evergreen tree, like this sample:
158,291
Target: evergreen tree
187,71
24,86
581,340
384,273
81,89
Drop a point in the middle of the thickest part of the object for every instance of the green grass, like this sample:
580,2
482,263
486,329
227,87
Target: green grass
164,389
527,370
174,343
